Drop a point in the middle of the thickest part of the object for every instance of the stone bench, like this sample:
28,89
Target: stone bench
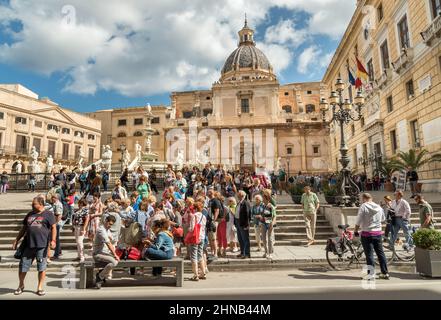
87,275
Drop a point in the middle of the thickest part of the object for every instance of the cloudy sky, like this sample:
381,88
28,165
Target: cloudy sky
89,55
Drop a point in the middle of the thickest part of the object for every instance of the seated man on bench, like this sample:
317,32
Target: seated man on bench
162,248
103,250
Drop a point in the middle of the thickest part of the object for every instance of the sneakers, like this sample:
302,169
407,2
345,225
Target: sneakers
98,281
384,276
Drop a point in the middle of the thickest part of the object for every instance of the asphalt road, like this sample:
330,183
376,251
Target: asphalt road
309,283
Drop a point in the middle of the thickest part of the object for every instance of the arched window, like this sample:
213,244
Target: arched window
287,109
310,108
122,135
137,134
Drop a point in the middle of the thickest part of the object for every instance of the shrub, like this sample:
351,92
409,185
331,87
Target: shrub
429,239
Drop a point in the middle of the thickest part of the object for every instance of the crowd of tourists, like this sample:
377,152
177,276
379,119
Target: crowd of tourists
200,215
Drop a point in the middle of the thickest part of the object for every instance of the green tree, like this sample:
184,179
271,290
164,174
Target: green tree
387,168
415,159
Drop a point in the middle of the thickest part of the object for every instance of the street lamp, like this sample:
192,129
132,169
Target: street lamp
342,113
287,162
122,148
363,162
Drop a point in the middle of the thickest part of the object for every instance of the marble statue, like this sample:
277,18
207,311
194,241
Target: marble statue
19,167
180,159
34,160
49,164
106,158
126,159
149,142
81,156
138,150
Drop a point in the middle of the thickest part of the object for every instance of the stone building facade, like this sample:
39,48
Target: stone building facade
27,121
399,44
247,98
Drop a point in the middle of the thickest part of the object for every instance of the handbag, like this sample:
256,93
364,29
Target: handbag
178,232
20,250
193,237
133,253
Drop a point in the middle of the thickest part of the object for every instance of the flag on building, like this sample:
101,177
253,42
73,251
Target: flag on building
352,80
361,71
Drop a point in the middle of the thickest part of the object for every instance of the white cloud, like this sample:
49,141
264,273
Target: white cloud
312,60
285,32
139,48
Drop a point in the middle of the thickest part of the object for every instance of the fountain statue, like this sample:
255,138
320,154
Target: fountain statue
180,159
126,159
138,150
81,156
18,167
106,158
33,164
49,164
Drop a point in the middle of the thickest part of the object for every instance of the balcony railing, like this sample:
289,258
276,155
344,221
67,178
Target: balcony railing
433,31
384,79
405,59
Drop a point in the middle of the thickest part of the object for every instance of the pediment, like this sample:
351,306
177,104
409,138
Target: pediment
55,113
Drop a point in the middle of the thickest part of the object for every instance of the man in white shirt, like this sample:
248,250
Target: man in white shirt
402,219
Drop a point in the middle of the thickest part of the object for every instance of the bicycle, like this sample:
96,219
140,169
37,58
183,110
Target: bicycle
403,252
350,253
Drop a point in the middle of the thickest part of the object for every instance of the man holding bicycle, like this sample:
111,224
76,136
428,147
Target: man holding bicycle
369,219
401,221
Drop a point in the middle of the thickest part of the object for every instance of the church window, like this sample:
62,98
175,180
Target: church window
245,106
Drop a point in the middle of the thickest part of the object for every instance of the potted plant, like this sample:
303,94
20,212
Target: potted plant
296,191
330,193
416,159
428,252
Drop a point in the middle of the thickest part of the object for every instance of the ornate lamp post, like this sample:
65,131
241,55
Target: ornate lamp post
287,162
363,162
122,148
348,191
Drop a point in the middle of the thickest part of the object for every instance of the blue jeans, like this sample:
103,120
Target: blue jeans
157,254
371,244
58,245
400,223
244,239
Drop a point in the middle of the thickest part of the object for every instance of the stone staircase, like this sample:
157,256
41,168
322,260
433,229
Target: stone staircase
290,228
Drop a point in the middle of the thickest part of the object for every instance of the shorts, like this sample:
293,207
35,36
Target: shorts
28,258
212,236
197,252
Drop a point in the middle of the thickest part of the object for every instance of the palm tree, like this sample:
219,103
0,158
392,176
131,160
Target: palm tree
387,168
415,159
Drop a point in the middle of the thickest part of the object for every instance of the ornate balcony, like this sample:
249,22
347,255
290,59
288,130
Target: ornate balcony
385,78
405,59
433,31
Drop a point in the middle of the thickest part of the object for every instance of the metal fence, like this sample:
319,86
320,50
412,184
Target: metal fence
20,181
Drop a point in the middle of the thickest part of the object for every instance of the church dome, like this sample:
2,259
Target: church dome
247,56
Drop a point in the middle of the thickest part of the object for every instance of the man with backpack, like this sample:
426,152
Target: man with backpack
215,207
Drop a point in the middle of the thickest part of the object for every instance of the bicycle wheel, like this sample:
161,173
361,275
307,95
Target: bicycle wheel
352,258
404,253
388,252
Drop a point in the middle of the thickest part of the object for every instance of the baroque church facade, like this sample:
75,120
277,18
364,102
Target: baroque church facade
251,119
